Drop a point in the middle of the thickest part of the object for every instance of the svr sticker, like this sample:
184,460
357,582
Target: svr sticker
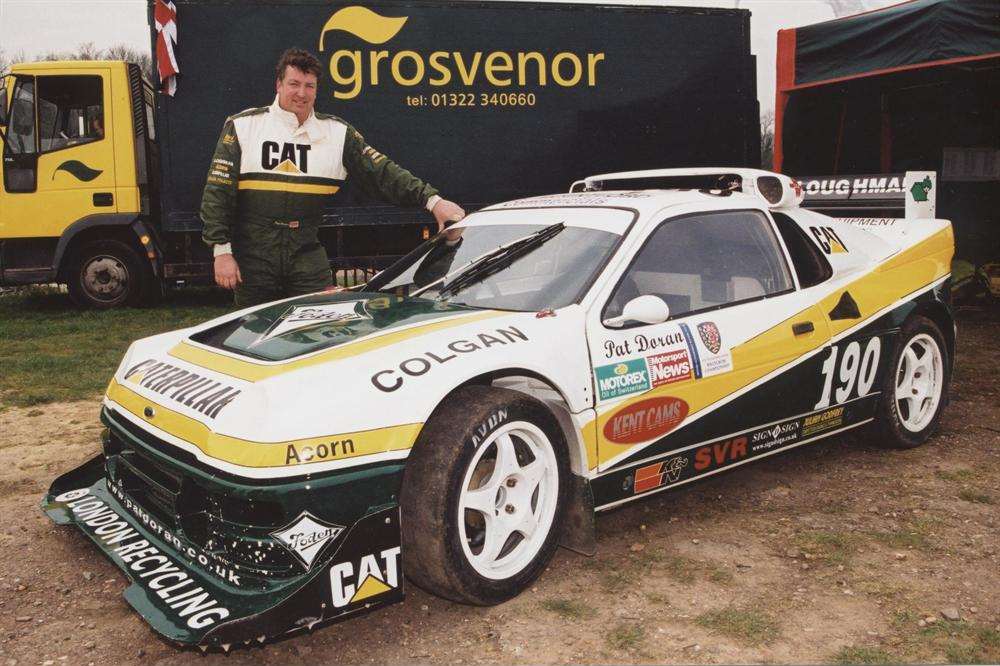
375,575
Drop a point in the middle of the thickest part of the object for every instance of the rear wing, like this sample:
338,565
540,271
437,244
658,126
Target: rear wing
871,200
777,190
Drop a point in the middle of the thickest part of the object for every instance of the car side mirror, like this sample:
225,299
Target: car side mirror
647,309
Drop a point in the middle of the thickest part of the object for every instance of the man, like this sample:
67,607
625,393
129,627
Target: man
270,177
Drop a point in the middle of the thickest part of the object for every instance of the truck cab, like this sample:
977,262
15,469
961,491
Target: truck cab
78,165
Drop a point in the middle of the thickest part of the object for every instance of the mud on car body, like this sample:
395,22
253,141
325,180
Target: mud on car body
471,408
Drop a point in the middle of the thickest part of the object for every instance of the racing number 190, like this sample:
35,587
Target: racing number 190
855,368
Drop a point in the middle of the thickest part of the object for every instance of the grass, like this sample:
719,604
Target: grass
682,569
625,637
959,642
915,534
974,497
751,626
955,475
52,351
830,547
860,654
568,609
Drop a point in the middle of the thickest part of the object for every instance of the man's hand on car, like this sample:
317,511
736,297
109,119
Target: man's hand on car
227,272
447,211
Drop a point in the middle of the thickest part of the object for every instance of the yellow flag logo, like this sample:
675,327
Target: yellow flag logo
364,23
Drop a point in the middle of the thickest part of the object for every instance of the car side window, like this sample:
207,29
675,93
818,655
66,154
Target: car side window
70,111
810,265
705,261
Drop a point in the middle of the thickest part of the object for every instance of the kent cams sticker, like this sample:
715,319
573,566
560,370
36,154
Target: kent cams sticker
645,420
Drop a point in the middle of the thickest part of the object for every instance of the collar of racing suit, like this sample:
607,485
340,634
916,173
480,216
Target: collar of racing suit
310,127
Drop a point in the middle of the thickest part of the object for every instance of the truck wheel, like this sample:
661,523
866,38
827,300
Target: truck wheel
915,388
483,496
106,274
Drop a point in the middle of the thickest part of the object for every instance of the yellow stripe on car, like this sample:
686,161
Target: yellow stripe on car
248,453
903,274
252,372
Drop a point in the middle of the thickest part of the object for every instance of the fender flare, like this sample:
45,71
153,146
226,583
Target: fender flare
89,222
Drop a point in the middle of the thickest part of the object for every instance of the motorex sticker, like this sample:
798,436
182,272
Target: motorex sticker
625,378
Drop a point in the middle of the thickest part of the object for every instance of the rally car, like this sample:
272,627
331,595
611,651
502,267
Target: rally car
473,406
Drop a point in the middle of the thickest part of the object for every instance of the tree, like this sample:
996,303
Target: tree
87,51
767,140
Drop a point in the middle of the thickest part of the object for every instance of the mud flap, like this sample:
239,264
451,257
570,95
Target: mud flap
190,596
579,532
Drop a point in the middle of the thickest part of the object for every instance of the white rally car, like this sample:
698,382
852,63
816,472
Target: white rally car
470,408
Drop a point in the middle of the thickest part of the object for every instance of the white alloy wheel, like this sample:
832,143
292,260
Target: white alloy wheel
509,496
919,382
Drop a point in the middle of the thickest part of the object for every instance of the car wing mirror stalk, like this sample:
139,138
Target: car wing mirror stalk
647,309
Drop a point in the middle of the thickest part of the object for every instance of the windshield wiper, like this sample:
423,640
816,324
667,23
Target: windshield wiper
500,259
488,263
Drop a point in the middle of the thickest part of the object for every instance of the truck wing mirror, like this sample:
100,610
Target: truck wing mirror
3,107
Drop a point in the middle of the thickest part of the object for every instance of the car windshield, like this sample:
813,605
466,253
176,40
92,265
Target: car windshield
527,267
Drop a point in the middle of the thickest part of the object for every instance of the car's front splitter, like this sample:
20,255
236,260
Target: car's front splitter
182,594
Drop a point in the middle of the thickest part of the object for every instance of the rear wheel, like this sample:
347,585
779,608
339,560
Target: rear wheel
915,389
483,495
106,274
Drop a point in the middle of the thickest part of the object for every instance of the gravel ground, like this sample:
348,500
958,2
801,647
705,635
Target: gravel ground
838,551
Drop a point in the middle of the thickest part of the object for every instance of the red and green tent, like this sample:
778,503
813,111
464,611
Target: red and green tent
913,86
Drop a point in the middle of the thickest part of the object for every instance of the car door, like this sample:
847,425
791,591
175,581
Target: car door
684,397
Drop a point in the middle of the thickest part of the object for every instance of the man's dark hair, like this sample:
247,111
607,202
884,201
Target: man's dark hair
300,60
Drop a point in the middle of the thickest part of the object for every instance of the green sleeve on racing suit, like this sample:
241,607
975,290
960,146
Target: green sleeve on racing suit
380,177
218,203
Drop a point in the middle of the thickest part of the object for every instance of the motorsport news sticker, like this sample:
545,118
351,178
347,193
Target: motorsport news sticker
625,378
670,367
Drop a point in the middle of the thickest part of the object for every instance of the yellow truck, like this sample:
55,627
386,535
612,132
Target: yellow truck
78,164
102,175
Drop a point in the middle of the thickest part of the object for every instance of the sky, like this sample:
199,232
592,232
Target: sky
68,23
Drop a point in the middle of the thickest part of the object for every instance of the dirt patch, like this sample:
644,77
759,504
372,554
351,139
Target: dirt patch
838,551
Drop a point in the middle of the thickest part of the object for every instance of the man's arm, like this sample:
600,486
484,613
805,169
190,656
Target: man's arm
382,178
218,206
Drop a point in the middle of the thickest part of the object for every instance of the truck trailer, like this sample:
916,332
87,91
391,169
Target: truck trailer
103,173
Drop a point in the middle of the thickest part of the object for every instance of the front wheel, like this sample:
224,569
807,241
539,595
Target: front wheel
915,389
483,495
105,274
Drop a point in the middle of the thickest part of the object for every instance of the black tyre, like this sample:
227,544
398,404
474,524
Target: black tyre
915,388
107,274
483,496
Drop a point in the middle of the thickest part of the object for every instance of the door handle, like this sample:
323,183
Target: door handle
104,199
803,327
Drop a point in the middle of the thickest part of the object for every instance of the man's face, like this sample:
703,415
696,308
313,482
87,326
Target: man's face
297,92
